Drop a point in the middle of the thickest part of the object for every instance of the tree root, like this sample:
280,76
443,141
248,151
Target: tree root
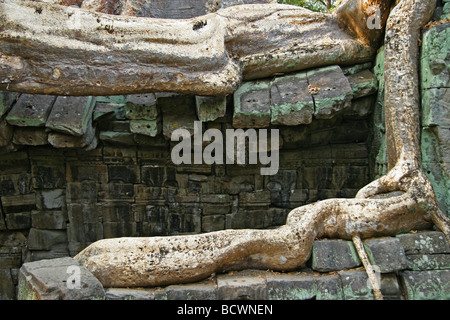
376,286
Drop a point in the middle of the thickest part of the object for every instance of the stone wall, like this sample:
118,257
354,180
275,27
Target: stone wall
74,170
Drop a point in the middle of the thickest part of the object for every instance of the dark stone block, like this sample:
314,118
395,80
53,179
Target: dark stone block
58,279
386,253
31,110
332,255
426,285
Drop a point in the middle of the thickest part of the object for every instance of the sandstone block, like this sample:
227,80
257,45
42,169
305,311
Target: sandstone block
6,100
292,104
363,83
332,255
149,128
40,239
113,137
6,133
241,286
436,107
141,107
428,262
331,91
58,279
49,219
425,242
355,285
426,285
129,294
71,115
252,105
196,291
31,110
210,108
30,136
386,253
434,64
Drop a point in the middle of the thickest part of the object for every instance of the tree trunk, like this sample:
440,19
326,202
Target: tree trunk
69,51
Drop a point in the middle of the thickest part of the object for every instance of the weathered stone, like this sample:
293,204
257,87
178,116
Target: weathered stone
389,285
123,173
303,287
6,101
145,127
292,104
30,136
291,287
331,91
363,83
123,138
61,140
71,115
386,253
255,200
281,186
428,262
50,199
105,109
332,255
6,133
49,219
40,239
15,184
18,203
7,288
355,285
85,191
426,285
434,66
435,107
141,107
178,111
360,108
252,105
210,108
12,248
247,219
129,294
205,290
350,70
48,177
18,220
240,286
213,222
58,279
31,110
425,242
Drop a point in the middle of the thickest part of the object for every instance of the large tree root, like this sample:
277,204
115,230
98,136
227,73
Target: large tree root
167,260
69,51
